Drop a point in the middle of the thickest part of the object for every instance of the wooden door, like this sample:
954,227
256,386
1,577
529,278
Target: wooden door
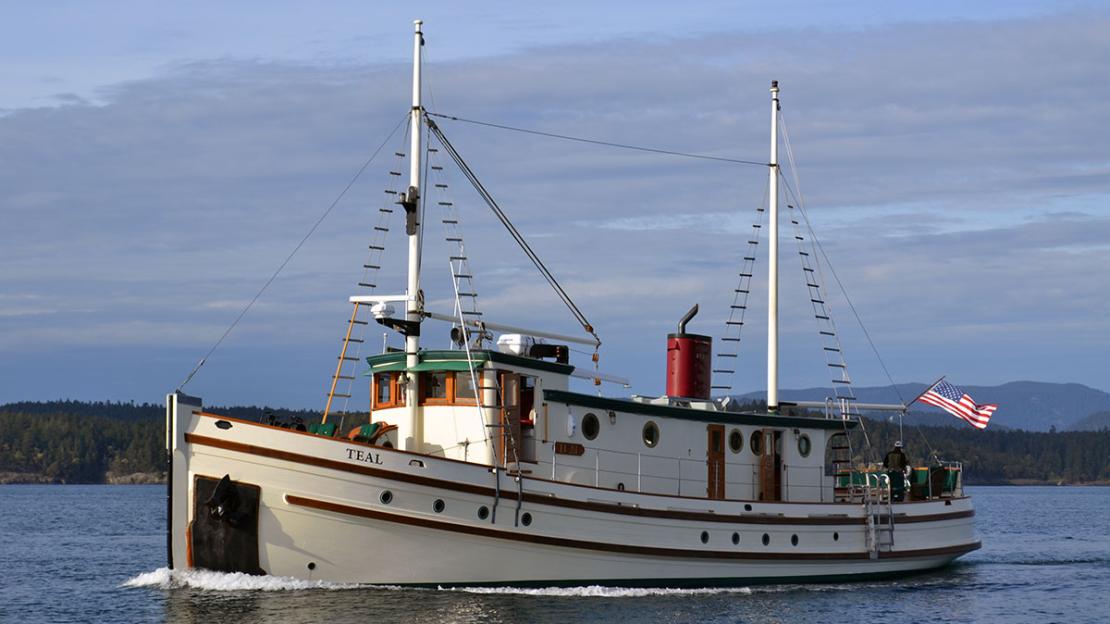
770,465
509,445
715,461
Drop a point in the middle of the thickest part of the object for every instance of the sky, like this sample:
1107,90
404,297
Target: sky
160,162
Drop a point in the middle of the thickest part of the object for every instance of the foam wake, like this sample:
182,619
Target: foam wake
164,578
597,591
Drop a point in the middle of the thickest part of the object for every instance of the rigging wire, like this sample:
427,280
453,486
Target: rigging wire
288,258
626,146
517,236
800,202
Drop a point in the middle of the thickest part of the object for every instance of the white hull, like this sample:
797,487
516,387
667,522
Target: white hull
321,515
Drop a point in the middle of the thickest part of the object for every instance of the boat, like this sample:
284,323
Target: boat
479,465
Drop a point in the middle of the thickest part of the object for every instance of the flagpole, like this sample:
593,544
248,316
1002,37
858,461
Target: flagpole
927,389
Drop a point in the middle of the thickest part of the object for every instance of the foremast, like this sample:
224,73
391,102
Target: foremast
773,261
414,298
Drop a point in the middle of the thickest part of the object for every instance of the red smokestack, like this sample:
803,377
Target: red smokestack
689,362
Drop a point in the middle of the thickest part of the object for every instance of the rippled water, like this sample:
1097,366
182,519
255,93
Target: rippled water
96,554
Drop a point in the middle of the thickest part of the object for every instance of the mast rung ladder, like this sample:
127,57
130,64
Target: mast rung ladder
823,318
367,285
756,225
377,247
394,173
741,291
399,154
833,365
437,167
752,258
348,358
463,276
803,253
833,349
371,266
807,269
358,322
721,387
739,307
842,381
454,239
356,340
390,192
441,186
812,285
446,204
818,301
728,355
450,221
753,242
799,238
826,333
745,274
343,376
472,312
433,150
342,396
380,228
462,294
386,210
722,370
734,322
729,339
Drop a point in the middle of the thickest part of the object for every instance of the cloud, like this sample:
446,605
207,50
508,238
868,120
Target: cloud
955,170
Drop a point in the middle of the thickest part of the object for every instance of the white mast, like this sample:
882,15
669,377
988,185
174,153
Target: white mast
413,438
773,263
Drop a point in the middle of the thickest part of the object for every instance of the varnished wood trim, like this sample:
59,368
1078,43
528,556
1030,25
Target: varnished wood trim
563,542
541,499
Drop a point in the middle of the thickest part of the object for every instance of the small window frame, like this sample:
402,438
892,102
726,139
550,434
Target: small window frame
736,435
804,441
396,397
591,426
451,383
756,442
654,441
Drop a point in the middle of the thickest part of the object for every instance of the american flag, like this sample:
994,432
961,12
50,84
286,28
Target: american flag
956,402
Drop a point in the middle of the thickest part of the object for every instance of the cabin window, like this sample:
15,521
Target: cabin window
433,386
736,440
447,388
387,390
804,445
464,388
757,442
651,434
591,426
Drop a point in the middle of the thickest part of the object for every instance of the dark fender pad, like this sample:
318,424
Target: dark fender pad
224,530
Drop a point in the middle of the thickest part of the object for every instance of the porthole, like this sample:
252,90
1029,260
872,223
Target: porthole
705,537
483,512
590,426
386,497
836,536
804,445
620,486
736,539
651,434
311,565
766,539
526,519
794,540
736,441
439,505
757,442
747,507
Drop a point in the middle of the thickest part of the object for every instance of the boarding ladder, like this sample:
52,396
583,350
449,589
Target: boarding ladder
878,509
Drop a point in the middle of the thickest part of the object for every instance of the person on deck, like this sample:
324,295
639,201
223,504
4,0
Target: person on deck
895,463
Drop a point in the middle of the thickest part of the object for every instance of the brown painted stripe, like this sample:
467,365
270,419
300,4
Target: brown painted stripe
554,541
541,499
602,546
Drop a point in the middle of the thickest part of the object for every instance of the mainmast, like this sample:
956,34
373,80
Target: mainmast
773,263
414,298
